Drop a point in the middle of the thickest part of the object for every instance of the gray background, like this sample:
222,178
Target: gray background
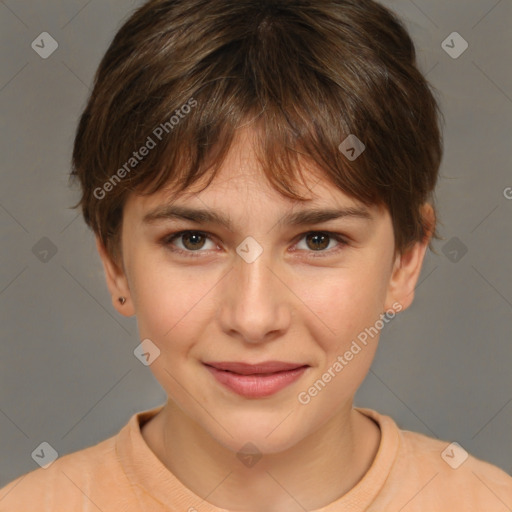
68,373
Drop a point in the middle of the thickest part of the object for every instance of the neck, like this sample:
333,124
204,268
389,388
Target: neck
311,474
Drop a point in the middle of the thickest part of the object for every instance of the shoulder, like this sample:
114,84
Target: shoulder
67,483
448,472
431,474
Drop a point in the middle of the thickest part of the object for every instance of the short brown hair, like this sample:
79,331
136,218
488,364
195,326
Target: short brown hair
308,73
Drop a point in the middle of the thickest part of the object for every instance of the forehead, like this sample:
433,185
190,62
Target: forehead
240,180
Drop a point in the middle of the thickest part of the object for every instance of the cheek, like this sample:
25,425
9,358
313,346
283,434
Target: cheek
346,306
156,305
340,303
168,300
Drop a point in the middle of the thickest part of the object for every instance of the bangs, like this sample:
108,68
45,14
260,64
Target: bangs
181,79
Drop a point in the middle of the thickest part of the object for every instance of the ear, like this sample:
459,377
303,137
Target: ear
116,281
407,267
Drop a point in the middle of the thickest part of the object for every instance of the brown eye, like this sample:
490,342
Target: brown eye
317,241
193,240
322,243
190,243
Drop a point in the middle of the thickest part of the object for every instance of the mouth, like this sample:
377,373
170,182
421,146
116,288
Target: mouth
256,380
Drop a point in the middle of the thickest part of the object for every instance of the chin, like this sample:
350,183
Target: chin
272,436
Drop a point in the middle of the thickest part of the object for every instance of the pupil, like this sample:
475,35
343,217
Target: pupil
191,235
316,237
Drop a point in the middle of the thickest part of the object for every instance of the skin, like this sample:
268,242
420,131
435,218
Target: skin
287,305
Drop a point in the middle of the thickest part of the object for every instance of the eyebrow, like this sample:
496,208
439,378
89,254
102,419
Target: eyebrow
304,217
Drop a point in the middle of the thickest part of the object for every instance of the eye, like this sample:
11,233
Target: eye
193,241
317,241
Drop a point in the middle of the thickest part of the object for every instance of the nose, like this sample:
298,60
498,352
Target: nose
256,304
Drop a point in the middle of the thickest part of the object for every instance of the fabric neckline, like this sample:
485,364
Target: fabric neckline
151,478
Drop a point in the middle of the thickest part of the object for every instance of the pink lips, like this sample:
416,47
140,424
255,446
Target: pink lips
256,380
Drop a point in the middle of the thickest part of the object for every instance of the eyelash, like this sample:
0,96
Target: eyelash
167,242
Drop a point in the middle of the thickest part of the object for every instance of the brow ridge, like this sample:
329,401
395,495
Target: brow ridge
300,218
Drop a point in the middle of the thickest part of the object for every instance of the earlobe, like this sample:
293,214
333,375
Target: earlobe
117,282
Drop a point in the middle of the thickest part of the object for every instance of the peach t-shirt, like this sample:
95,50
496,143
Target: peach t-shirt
122,474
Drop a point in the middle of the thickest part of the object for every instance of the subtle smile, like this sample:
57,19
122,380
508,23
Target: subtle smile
258,380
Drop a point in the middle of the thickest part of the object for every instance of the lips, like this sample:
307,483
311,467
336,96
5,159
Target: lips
266,367
256,380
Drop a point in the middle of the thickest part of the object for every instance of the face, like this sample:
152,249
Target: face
260,289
